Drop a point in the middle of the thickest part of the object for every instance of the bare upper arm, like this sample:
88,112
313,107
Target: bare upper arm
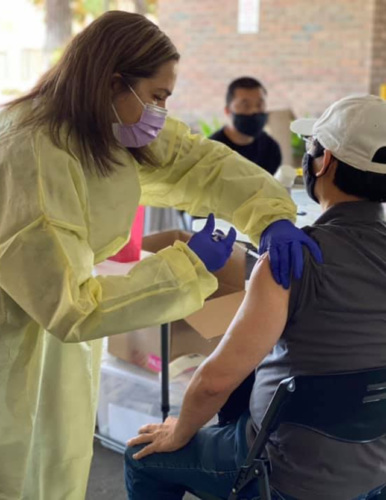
253,332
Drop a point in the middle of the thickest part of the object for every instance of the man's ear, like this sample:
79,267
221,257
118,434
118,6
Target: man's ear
227,111
327,159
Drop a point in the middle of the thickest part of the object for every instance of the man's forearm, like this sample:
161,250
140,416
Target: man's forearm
198,407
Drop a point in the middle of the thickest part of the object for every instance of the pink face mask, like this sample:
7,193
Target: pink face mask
145,130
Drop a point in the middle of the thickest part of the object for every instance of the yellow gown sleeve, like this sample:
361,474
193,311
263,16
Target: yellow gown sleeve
202,176
46,262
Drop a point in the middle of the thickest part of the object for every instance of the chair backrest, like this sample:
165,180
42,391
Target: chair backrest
347,406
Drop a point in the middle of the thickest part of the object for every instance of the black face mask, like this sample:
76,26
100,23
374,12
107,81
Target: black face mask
251,125
309,176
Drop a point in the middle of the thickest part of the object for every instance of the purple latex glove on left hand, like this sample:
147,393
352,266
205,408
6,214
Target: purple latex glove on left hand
283,242
214,252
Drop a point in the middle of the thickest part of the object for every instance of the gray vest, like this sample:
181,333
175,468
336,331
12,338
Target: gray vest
336,322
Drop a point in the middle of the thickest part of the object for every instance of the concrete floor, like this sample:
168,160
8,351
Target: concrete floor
106,476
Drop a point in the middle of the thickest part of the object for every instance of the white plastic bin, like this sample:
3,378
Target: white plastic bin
129,397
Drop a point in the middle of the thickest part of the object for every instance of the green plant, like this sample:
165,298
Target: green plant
297,144
208,128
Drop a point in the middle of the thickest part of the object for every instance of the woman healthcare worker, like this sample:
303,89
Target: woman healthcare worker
75,162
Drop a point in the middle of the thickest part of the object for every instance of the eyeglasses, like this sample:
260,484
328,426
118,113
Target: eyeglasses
309,142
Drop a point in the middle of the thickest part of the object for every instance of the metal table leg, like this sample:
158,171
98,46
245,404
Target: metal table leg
165,406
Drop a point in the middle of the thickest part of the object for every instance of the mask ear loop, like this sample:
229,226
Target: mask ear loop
155,107
136,95
115,111
152,106
116,114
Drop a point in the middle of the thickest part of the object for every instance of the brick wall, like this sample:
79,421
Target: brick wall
378,59
308,53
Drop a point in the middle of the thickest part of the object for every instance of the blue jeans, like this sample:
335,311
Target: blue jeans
208,464
372,495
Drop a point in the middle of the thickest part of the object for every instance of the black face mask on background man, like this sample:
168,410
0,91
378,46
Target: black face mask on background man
251,125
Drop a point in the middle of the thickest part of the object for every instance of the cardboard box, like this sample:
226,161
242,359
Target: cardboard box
198,333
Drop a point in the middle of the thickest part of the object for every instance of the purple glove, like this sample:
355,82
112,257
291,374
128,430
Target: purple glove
283,241
213,251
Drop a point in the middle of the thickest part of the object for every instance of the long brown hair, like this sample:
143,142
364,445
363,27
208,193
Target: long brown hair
76,91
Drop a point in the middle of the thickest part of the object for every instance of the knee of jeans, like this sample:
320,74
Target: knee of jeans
129,460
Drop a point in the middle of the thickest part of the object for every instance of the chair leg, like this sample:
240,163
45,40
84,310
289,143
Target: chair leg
259,470
262,480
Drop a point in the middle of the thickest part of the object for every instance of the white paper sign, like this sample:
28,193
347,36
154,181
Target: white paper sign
249,16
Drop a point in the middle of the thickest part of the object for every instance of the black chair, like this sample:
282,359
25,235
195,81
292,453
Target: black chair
349,407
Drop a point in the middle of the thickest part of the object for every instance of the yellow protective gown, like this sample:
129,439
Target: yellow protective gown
56,223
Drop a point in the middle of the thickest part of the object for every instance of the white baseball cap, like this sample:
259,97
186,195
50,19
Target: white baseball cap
353,129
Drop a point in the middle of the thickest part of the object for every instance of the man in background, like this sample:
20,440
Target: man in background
246,107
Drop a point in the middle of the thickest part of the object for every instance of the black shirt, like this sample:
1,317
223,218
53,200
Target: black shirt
264,151
336,322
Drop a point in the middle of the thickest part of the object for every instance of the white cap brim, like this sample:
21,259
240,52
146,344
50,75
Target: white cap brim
303,126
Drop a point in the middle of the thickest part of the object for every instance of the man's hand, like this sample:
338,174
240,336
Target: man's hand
161,438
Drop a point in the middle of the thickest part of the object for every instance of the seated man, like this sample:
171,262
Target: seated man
332,319
246,107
